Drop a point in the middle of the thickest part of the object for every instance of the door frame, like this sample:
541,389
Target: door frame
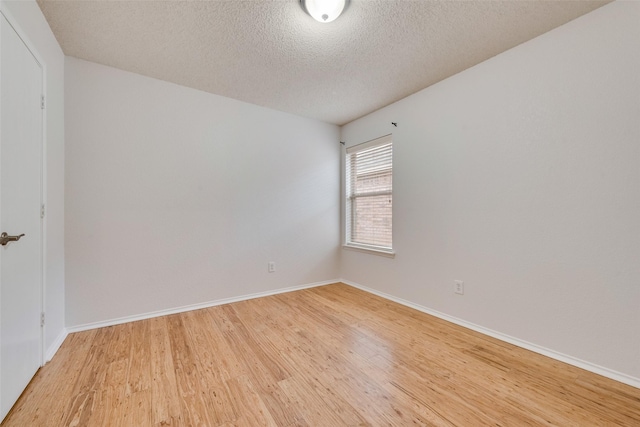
13,22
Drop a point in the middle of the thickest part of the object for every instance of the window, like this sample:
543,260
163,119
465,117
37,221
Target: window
369,196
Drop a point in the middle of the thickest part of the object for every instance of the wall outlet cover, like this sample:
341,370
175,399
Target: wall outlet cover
458,287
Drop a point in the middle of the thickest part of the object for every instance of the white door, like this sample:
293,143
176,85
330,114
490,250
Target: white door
20,201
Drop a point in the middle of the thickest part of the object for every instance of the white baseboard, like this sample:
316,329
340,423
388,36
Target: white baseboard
53,348
182,309
605,372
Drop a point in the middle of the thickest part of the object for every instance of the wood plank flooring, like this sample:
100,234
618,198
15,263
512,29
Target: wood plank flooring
326,356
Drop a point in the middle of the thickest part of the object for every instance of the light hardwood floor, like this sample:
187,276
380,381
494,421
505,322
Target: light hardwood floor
327,356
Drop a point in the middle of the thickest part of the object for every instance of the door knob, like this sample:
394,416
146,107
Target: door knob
5,238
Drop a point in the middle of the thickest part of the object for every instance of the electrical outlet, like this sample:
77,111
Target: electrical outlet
458,287
272,266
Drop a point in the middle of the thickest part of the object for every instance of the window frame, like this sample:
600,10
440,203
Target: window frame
348,199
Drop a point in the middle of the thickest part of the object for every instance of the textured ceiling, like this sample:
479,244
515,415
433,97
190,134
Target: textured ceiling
270,53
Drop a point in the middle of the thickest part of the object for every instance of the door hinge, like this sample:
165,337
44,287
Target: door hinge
42,319
42,102
42,211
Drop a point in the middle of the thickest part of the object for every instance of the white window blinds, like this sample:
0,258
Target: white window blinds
369,194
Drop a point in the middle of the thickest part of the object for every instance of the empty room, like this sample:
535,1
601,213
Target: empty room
319,213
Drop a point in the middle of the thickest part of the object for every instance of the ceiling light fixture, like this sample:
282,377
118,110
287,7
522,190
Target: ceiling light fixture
324,10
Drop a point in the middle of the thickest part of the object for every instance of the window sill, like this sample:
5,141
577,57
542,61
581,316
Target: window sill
389,253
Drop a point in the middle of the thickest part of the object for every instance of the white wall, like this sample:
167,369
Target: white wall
31,22
521,176
179,197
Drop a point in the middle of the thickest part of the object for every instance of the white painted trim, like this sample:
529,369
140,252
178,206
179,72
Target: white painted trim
369,250
600,370
182,309
55,346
